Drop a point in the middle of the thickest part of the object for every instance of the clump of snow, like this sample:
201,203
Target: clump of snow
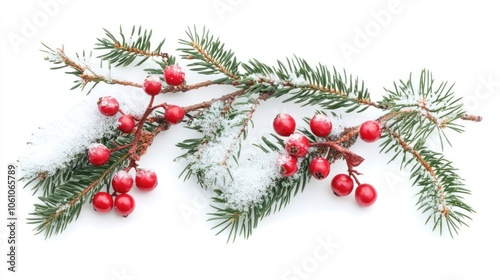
273,79
338,126
53,146
243,182
424,104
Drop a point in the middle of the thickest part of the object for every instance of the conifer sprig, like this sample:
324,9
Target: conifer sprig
411,113
125,49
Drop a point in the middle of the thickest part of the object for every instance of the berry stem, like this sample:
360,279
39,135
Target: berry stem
132,152
351,157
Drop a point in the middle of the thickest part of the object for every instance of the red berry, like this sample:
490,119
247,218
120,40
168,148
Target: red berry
365,195
152,85
342,184
122,182
321,125
174,114
126,123
284,124
146,179
297,145
98,154
174,76
370,131
319,168
102,202
288,165
108,105
124,204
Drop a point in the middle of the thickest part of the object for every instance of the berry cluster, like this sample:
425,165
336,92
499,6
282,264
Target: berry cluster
122,183
99,154
297,146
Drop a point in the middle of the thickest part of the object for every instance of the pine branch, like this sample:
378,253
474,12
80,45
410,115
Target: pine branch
126,49
279,195
411,115
308,85
421,111
64,205
47,183
209,55
82,67
441,187
65,192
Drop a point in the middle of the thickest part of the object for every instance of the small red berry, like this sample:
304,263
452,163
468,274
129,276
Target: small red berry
174,76
319,168
321,125
146,179
297,145
98,154
126,123
288,165
365,195
284,124
102,202
152,85
108,106
122,182
370,131
174,114
342,184
124,204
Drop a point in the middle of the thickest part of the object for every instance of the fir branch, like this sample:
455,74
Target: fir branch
52,216
308,85
441,187
79,68
209,55
47,183
68,189
242,223
125,51
421,111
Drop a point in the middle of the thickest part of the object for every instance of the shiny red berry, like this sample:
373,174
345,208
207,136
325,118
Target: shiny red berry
321,125
297,145
108,105
284,124
102,202
342,184
370,131
174,76
98,154
146,179
122,182
288,165
152,85
319,168
174,114
365,195
124,204
126,123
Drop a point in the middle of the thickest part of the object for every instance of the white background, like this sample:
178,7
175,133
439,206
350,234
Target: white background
457,41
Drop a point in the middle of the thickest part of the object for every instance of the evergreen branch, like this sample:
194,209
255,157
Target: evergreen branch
441,187
82,69
125,51
209,55
68,189
242,223
52,217
308,85
47,183
423,110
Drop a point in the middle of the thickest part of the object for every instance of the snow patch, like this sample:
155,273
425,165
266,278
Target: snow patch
243,182
52,147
